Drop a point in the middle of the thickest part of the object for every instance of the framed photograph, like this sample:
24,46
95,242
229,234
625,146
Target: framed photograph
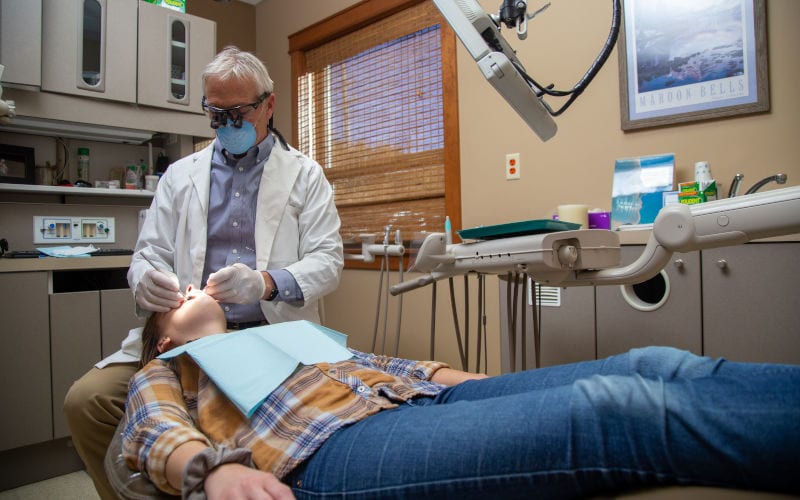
17,164
688,60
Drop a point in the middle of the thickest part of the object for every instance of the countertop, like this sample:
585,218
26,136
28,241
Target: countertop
637,237
640,237
63,264
71,190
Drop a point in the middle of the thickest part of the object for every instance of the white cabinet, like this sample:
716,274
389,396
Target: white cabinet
91,311
41,354
21,42
74,345
751,302
89,48
26,415
173,50
96,48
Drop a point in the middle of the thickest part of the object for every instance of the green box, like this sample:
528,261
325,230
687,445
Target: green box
694,192
179,5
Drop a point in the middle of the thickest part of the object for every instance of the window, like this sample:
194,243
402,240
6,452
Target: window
376,107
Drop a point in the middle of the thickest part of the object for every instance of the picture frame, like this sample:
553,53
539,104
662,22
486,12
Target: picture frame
697,60
18,166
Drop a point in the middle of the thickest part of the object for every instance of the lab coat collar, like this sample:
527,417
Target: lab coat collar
200,175
277,181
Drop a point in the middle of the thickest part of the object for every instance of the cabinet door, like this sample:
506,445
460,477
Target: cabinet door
89,48
21,41
25,397
751,302
566,329
117,317
75,345
173,50
675,321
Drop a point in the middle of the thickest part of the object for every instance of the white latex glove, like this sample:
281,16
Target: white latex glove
158,291
236,284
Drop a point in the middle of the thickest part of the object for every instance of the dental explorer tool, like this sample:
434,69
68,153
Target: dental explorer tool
157,268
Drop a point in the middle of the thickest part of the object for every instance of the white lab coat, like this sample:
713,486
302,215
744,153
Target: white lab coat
304,239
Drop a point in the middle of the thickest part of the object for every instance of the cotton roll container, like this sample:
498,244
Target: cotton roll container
578,214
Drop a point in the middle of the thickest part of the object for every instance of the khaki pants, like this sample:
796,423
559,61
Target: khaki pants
93,407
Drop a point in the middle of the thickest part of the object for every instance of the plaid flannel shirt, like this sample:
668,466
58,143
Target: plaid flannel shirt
171,403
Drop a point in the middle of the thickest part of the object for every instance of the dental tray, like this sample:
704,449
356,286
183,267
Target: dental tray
521,228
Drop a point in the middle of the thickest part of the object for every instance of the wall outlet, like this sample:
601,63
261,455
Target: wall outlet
512,166
60,229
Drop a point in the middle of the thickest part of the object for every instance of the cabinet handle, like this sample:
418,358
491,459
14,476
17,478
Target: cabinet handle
679,263
722,264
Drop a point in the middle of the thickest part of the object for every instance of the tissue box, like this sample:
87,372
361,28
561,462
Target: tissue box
179,5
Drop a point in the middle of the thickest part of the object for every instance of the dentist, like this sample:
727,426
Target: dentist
249,218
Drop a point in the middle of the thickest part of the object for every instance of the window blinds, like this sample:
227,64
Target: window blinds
370,112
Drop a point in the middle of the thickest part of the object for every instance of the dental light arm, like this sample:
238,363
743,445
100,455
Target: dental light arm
590,256
479,32
496,60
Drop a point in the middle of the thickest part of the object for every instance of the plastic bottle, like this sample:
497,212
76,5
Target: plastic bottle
132,176
83,164
142,173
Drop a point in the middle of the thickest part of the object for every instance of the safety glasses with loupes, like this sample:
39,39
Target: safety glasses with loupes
219,116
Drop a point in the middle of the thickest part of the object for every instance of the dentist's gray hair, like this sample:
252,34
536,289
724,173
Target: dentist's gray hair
233,63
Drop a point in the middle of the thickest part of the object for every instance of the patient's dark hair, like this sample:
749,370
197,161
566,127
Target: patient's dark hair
150,337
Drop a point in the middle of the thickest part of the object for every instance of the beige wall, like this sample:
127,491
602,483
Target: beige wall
574,167
235,21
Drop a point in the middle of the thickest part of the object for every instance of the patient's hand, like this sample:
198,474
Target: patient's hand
450,377
236,481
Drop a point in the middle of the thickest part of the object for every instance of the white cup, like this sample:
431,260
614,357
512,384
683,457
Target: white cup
579,214
150,182
702,172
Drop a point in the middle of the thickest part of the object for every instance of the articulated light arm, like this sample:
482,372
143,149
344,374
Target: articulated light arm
480,33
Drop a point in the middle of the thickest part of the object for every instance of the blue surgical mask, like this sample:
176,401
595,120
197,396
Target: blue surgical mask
237,140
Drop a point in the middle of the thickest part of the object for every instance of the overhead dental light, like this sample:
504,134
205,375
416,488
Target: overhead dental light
74,130
480,33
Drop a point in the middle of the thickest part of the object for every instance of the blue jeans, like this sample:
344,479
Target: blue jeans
648,417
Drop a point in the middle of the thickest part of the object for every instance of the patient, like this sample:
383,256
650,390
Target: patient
374,426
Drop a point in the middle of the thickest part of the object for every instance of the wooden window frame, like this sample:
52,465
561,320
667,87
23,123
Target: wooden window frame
354,18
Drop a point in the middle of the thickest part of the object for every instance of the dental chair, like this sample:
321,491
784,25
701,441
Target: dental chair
129,484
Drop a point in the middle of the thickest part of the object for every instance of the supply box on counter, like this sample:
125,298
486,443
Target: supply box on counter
179,5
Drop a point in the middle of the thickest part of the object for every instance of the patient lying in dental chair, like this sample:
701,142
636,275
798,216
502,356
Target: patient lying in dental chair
376,426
